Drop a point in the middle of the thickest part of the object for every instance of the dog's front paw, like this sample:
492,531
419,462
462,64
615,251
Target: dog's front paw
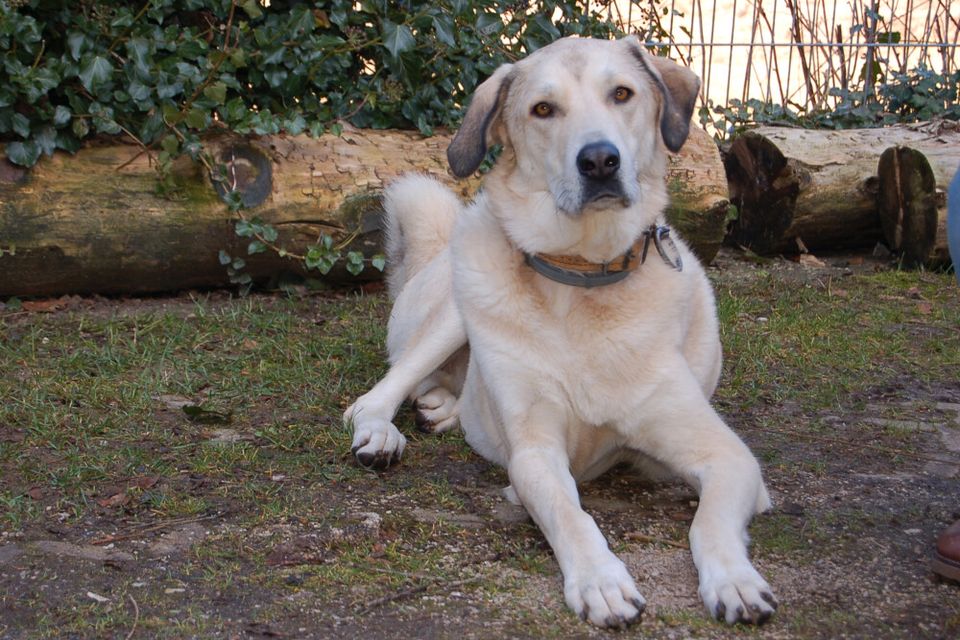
606,595
437,411
738,596
377,443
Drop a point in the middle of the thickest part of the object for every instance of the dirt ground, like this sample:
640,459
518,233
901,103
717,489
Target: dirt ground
292,540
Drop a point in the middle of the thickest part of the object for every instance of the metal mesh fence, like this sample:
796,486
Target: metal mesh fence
802,54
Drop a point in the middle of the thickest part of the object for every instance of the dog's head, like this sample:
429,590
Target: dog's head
582,119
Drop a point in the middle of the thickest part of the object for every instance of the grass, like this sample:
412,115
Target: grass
90,402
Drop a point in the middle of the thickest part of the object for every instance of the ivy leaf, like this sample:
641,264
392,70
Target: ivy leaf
75,42
443,26
61,116
138,51
397,38
252,7
46,139
20,124
197,118
24,154
216,92
95,71
379,262
80,127
224,258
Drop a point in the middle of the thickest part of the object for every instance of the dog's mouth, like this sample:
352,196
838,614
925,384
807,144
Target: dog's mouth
610,196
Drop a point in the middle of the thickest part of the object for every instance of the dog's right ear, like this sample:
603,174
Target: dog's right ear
479,129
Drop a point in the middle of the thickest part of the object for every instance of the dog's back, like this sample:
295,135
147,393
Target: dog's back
419,218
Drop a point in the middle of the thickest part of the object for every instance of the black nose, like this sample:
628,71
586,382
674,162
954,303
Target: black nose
598,160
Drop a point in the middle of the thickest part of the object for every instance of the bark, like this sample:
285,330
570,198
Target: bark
96,222
818,189
914,178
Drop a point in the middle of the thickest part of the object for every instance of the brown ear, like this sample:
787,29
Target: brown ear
679,87
477,133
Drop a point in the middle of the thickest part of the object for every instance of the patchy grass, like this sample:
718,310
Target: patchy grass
838,381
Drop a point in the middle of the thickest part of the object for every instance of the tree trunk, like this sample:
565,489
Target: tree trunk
97,223
913,198
817,189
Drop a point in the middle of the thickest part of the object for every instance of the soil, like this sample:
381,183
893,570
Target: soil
846,547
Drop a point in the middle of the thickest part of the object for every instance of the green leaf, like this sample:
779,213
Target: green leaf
24,154
138,51
139,91
397,38
61,116
170,144
75,42
20,125
256,247
379,262
46,139
80,127
269,233
95,71
197,118
216,92
252,7
443,26
224,258
489,23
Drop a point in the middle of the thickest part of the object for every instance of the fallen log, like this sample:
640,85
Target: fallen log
799,189
95,222
912,198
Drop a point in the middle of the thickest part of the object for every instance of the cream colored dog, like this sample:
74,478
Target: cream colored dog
592,335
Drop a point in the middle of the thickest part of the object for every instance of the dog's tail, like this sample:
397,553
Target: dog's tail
419,218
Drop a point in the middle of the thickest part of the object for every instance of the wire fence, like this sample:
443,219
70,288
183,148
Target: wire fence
801,54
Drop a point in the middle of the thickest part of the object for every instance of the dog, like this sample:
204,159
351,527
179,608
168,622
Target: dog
562,324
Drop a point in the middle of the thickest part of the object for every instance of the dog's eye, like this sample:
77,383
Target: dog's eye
542,110
622,94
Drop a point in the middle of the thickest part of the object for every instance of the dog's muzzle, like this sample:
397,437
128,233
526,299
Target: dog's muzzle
599,166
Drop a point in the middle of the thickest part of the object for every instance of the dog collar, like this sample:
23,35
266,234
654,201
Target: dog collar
578,272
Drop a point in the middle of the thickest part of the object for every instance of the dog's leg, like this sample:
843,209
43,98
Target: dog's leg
597,585
428,330
691,439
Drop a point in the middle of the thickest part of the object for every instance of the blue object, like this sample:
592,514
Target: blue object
953,223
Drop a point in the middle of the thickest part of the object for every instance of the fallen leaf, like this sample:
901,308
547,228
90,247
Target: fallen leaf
35,493
97,597
47,306
924,308
144,482
116,500
809,260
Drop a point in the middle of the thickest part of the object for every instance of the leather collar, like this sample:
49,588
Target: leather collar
579,272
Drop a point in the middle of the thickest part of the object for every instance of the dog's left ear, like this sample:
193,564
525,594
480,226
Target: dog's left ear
679,87
479,129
